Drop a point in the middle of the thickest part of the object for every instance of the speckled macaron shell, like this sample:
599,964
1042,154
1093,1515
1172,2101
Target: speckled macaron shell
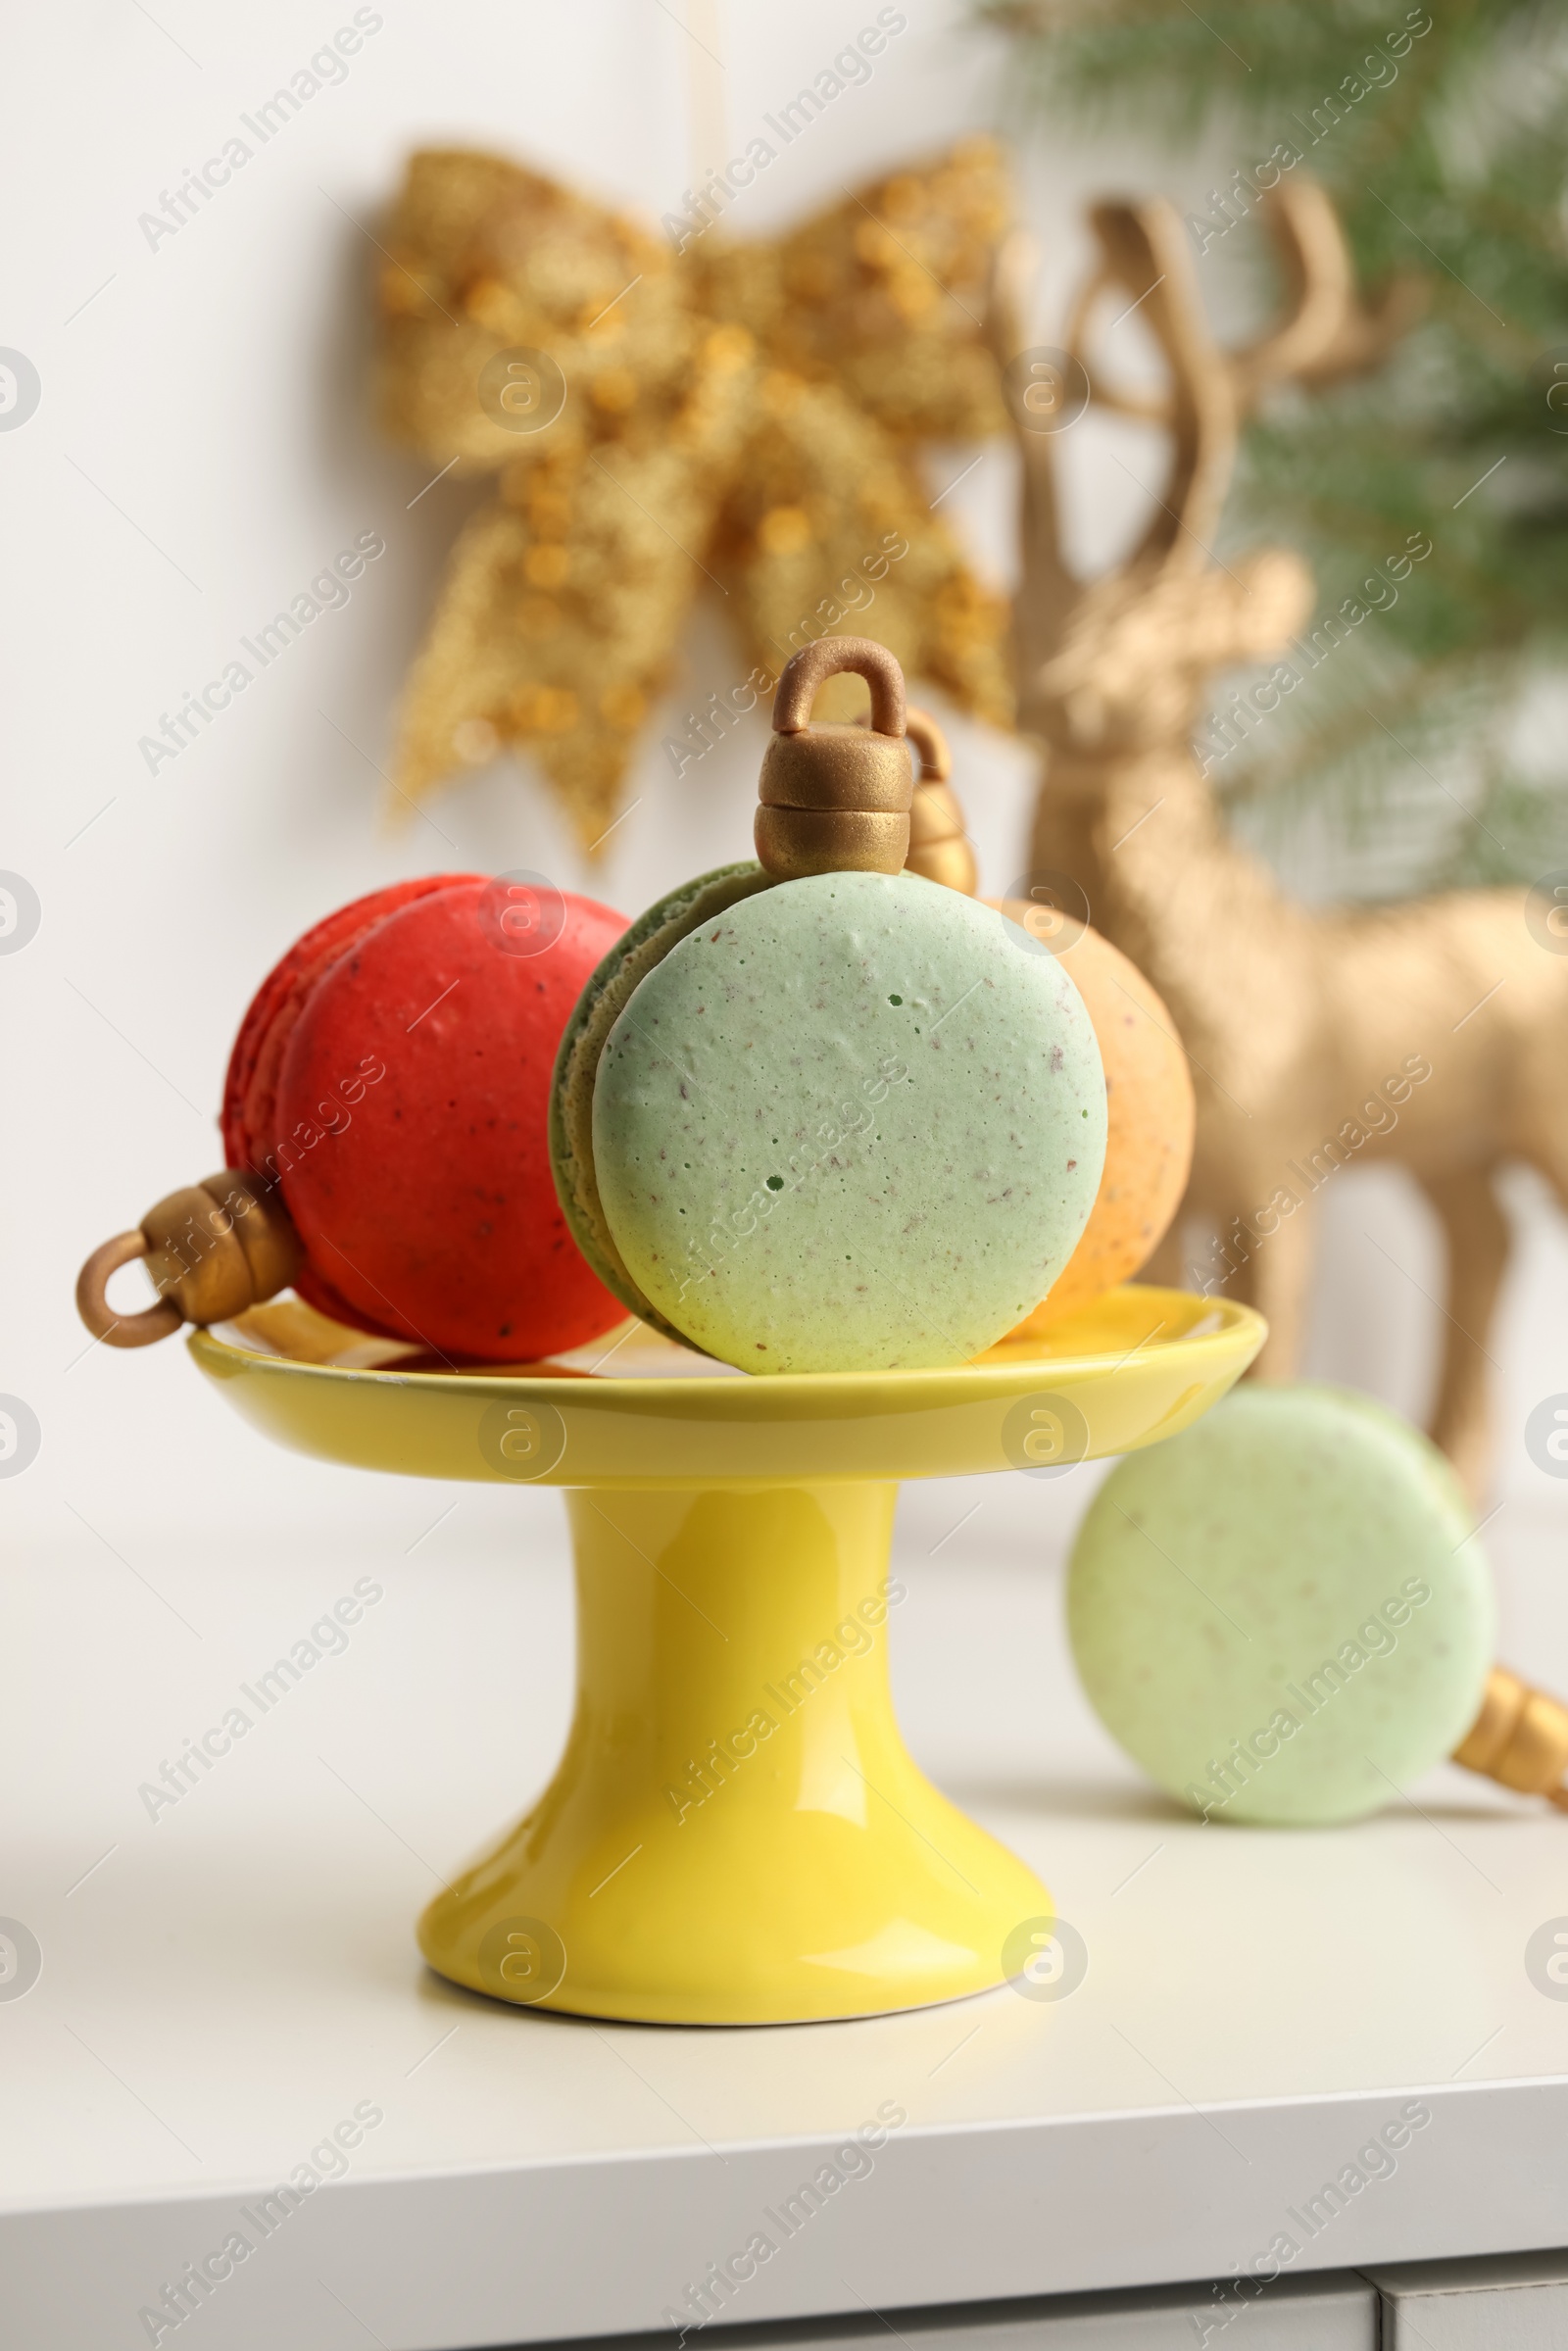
572,1095
856,1123
1282,1614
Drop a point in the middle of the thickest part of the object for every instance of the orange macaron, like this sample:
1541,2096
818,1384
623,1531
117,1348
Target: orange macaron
1149,1108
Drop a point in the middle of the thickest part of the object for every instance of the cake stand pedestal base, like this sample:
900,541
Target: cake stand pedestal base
736,1833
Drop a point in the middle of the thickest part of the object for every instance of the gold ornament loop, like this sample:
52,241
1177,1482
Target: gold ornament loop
936,759
831,656
160,1321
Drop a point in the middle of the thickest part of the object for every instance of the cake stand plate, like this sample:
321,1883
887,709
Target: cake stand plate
736,1834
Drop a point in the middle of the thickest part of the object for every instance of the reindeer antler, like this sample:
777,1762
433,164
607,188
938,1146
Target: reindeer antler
1048,590
1327,332
1144,253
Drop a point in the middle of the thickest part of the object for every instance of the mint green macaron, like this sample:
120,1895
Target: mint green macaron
853,1122
1282,1615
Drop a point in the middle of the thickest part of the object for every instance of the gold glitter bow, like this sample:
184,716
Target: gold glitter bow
746,412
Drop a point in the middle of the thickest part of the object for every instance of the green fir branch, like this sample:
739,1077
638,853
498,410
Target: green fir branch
1442,130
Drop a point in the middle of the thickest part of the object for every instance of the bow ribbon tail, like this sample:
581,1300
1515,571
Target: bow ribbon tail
557,624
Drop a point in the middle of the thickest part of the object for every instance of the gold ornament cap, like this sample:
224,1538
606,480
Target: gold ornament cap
835,798
1519,1738
213,1249
940,847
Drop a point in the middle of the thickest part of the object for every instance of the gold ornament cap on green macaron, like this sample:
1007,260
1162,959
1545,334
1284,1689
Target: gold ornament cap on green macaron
817,1113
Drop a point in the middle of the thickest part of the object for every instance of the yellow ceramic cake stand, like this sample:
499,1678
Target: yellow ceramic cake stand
736,1834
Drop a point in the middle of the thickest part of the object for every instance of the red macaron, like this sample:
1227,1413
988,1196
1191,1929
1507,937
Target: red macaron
393,1074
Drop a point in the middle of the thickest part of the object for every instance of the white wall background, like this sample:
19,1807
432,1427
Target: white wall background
203,446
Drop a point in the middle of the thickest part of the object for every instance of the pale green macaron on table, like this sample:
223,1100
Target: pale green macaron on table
855,1119
1282,1615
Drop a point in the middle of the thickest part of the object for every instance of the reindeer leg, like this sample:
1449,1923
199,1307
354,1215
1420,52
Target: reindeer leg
1277,1279
1476,1238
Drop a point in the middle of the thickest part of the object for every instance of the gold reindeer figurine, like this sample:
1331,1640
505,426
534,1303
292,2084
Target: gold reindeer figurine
1432,1033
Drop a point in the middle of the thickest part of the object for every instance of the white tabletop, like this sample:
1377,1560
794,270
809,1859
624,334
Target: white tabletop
226,1984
